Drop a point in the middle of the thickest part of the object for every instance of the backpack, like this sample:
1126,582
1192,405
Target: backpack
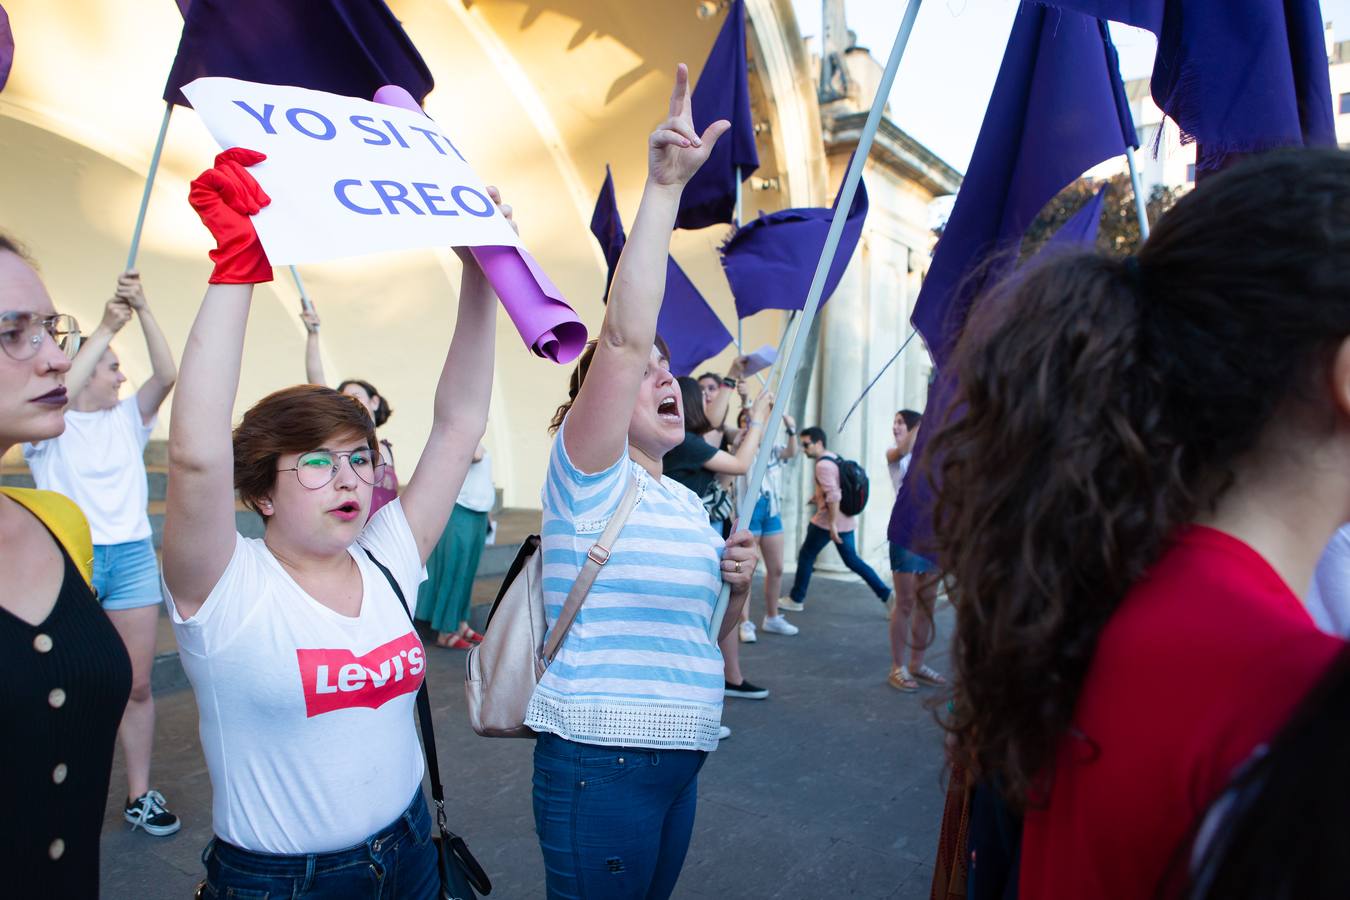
853,486
502,671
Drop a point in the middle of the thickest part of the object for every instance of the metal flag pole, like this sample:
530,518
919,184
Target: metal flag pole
803,323
740,327
305,304
149,183
1140,205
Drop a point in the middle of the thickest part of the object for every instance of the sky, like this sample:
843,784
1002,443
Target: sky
953,56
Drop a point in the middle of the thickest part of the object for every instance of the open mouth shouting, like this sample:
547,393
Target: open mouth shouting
668,411
347,511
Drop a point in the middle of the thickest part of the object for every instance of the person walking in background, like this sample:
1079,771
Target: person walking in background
1151,454
631,704
370,398
916,581
828,525
99,462
696,463
766,524
443,599
64,671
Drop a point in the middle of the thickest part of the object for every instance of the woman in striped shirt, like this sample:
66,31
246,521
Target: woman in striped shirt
632,703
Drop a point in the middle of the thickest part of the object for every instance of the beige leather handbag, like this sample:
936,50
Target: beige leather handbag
504,669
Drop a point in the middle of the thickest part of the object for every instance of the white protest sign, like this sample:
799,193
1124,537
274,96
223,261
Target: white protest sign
346,176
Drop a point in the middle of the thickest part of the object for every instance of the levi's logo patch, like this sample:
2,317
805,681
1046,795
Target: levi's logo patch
339,679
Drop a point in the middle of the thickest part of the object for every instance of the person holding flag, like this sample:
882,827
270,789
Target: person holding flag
300,646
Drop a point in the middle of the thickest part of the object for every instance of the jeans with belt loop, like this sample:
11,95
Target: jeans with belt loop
613,822
398,862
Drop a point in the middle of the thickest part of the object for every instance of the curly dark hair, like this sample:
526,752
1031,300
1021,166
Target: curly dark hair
1102,403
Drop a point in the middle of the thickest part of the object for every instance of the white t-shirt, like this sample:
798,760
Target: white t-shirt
99,462
306,714
898,470
1329,599
478,494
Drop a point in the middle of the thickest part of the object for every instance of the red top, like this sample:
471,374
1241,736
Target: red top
1206,659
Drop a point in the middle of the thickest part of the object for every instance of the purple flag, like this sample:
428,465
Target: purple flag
1081,229
1052,116
1237,77
722,92
770,261
6,48
687,324
349,47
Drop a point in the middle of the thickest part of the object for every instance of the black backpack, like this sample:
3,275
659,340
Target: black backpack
853,486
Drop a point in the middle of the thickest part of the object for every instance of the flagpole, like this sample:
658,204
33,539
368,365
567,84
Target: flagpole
1140,205
812,306
149,183
873,382
740,332
305,303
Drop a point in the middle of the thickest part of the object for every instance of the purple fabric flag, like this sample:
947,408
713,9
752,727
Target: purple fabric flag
1081,229
770,261
6,48
349,47
1051,117
722,92
1238,77
687,324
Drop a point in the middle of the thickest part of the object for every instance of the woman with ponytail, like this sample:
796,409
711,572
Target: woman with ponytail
1148,456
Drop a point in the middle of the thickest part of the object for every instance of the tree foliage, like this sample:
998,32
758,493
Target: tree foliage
1118,233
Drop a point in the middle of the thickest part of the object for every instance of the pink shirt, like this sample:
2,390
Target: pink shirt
827,492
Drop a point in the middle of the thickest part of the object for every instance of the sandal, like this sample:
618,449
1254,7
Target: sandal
472,636
929,676
900,680
453,642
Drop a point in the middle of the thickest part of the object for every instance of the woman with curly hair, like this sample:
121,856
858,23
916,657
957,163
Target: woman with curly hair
1148,456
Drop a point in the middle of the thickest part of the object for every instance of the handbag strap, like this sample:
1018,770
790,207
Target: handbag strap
423,708
596,557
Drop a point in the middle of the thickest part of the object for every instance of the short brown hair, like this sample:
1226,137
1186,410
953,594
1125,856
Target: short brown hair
292,420
579,376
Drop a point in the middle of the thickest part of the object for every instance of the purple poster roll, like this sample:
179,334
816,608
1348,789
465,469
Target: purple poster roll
549,327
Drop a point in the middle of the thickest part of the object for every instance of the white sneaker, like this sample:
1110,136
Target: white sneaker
779,625
723,732
789,604
748,633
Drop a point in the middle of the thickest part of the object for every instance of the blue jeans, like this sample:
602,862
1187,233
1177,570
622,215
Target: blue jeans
396,863
816,540
613,822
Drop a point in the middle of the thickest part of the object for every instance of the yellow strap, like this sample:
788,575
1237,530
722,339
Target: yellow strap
64,519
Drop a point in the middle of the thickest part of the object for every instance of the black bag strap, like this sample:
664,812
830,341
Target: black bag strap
477,877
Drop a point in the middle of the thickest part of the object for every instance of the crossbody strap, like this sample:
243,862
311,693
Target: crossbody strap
423,707
596,557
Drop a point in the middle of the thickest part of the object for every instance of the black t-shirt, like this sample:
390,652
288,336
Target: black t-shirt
685,463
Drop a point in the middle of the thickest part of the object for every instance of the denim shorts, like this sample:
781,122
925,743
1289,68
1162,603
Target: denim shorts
905,560
761,523
126,576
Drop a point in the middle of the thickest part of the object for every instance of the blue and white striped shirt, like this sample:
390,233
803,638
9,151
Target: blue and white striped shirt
638,668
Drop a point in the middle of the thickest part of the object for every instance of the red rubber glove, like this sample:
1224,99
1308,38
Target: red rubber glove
225,197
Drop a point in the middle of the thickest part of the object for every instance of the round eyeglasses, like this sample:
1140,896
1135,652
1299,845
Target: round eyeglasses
319,467
21,334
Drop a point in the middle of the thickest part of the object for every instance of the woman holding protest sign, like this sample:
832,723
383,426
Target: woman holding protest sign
371,399
299,649
64,673
1149,457
632,703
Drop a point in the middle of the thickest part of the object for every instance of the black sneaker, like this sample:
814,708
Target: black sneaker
745,690
149,812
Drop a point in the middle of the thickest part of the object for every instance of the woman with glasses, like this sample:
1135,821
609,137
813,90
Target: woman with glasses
299,645
99,462
64,673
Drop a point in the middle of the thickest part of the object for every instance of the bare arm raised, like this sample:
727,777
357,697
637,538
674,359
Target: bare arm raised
595,435
163,372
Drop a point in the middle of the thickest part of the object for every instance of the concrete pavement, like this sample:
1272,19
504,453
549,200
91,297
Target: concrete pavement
829,788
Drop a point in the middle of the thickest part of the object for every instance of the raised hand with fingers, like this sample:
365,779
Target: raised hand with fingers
129,289
116,313
226,197
311,320
675,150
